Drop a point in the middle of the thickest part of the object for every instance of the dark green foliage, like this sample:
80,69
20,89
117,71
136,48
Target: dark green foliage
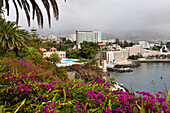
74,54
135,57
11,36
157,48
88,49
31,53
168,45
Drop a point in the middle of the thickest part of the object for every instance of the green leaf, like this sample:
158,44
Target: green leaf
55,95
85,85
93,110
94,85
64,95
141,110
74,86
109,104
23,102
168,98
105,82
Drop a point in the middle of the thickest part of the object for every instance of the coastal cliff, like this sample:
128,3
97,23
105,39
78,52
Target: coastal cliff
87,74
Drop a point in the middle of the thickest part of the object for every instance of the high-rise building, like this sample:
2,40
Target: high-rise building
90,36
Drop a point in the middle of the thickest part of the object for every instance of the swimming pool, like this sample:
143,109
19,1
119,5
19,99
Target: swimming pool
69,60
109,65
61,63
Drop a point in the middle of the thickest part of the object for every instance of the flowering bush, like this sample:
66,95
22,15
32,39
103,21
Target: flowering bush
30,92
24,66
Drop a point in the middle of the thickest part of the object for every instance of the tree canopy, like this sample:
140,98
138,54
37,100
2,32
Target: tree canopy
88,49
11,36
168,45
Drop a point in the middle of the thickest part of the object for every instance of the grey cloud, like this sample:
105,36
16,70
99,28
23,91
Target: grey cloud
108,15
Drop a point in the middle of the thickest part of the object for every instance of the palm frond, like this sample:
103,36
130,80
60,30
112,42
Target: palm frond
55,9
38,12
19,2
7,6
35,9
26,11
47,7
17,13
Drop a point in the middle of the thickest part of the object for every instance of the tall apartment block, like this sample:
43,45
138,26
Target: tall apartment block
90,36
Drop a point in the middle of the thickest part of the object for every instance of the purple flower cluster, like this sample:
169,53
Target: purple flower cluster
165,108
78,106
108,110
67,91
50,108
34,76
47,86
92,95
105,86
100,80
23,63
118,110
161,99
148,98
101,95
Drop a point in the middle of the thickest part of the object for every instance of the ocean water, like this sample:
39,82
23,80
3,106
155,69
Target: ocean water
141,78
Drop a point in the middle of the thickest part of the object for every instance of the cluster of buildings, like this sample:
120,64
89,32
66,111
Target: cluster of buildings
55,39
113,51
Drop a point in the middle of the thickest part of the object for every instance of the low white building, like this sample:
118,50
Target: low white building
51,38
62,54
150,53
111,56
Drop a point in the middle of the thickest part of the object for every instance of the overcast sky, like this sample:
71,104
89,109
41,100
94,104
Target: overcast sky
107,16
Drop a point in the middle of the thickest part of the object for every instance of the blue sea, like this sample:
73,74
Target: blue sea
143,77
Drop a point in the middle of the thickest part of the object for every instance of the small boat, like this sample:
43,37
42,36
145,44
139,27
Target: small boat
161,76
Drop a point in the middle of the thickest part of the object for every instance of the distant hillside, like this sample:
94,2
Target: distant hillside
134,35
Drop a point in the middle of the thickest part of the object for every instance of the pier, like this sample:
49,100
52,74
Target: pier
155,61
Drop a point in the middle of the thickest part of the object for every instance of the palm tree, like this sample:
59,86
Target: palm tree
11,36
24,4
31,53
54,58
70,50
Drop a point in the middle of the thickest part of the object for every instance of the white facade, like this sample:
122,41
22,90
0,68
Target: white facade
124,53
144,44
62,54
150,53
135,50
116,55
44,38
51,38
73,35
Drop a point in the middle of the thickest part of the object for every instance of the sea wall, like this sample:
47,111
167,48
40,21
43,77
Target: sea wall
156,61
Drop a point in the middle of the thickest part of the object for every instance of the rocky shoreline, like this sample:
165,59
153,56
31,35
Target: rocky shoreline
133,64
87,75
120,70
126,67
